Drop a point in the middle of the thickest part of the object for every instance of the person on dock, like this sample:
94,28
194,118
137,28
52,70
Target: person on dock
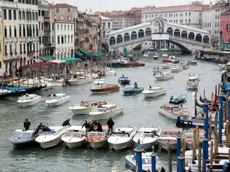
27,124
110,124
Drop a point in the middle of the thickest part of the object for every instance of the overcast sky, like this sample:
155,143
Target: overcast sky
103,5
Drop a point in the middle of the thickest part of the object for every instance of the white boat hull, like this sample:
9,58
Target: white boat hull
121,146
148,146
176,70
83,111
110,73
168,114
107,115
166,146
154,94
72,145
80,81
30,103
192,86
163,78
99,144
51,143
57,102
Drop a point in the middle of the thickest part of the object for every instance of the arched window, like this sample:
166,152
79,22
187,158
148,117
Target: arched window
15,31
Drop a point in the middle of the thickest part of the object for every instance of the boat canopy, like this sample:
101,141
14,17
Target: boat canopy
45,59
98,54
86,52
71,59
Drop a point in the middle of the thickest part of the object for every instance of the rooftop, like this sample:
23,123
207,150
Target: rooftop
63,5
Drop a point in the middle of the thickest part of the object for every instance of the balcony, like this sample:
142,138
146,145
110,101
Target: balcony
46,19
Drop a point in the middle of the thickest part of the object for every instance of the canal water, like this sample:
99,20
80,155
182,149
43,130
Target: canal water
138,112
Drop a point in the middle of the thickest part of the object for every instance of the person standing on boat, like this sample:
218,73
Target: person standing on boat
135,85
27,124
110,124
86,125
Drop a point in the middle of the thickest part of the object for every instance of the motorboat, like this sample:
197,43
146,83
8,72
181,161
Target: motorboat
154,92
130,161
146,54
57,99
157,69
147,137
171,59
185,66
100,81
105,112
104,88
97,139
192,83
23,138
193,63
80,80
75,136
136,64
162,76
166,65
155,56
221,66
194,76
164,55
173,111
28,100
85,107
178,100
124,80
51,138
176,68
168,138
121,138
188,138
132,89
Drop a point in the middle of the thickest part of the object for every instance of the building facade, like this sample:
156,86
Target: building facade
106,26
46,30
190,15
20,23
64,39
1,49
225,26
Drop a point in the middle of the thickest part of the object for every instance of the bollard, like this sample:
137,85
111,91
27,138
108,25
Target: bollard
228,117
170,159
178,148
220,120
153,155
138,150
181,163
205,153
205,110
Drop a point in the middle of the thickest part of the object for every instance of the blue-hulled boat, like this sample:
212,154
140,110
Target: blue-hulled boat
124,80
23,139
132,89
178,100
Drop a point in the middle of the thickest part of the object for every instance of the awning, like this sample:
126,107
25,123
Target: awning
98,54
58,61
39,64
86,52
71,59
45,59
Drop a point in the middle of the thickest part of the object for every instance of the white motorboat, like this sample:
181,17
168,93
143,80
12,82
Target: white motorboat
97,139
101,81
85,107
173,111
221,66
185,65
51,138
146,54
192,83
130,161
154,92
166,65
176,68
161,76
80,80
106,111
168,138
147,137
57,99
188,138
28,100
121,138
75,136
194,76
155,56
164,55
193,63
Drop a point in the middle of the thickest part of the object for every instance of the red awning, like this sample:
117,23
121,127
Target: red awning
39,64
92,51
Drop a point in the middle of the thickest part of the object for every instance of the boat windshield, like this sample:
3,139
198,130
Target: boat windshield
120,133
101,109
22,134
170,133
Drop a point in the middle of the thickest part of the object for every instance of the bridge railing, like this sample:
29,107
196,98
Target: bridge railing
132,41
189,41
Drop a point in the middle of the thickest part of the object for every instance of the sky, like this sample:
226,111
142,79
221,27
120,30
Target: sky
110,5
